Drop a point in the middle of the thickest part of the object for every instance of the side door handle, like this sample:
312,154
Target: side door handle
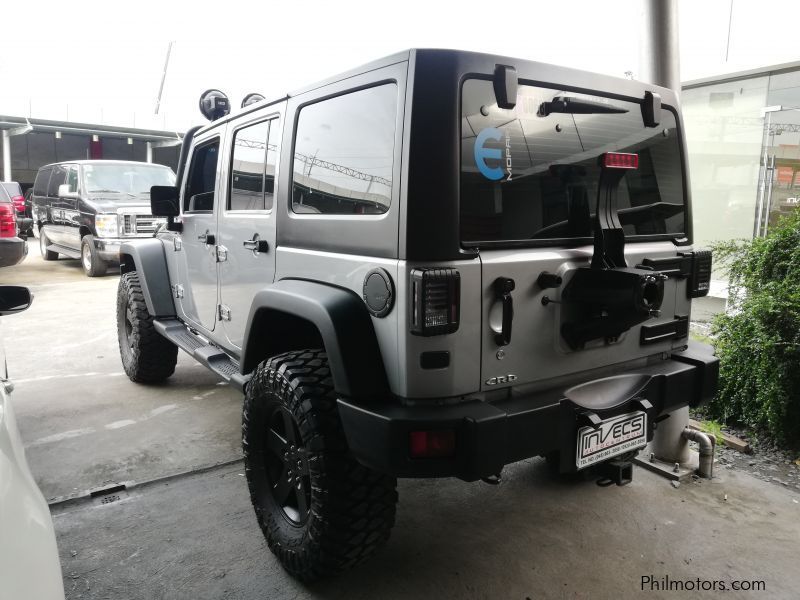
208,238
256,245
503,286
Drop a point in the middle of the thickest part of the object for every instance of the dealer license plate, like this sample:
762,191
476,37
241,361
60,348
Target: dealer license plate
614,437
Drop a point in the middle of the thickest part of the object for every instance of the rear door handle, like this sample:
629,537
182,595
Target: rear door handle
503,286
256,245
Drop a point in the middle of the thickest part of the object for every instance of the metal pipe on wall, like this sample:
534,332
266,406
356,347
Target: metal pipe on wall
659,63
659,50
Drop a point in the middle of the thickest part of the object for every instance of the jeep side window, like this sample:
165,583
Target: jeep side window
58,177
253,167
343,153
199,194
273,151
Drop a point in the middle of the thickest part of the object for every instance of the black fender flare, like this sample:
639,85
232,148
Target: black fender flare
343,323
146,257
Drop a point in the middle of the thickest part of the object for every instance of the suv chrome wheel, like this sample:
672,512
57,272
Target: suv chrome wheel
86,257
43,243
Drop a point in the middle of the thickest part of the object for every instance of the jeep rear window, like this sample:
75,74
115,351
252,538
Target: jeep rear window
531,177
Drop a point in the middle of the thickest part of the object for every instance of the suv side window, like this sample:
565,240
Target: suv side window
200,186
42,179
343,153
58,177
253,167
72,178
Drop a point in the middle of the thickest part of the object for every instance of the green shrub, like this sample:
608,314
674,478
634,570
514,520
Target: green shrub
758,340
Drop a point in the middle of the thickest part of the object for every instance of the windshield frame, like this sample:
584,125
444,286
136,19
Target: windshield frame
684,238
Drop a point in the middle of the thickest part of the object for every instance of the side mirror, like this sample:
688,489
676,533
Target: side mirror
65,192
164,201
14,299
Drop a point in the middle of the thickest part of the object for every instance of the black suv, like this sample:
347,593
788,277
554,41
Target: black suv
85,209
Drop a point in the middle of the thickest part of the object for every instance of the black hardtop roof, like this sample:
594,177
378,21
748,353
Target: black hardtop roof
545,73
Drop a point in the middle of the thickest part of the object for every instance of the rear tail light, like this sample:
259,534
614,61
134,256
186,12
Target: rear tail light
619,160
8,220
19,203
435,299
432,444
700,274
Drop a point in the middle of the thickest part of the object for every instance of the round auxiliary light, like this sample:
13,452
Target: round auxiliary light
251,99
214,105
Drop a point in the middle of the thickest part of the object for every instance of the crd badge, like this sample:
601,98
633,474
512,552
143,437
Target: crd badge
501,379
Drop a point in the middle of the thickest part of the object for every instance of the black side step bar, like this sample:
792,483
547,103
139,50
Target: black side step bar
207,354
68,252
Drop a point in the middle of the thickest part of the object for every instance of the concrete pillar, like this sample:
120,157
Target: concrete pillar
149,152
659,51
659,63
6,156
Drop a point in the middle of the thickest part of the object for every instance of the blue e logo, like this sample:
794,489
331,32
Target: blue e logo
482,153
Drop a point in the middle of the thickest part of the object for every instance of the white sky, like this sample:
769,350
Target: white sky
101,62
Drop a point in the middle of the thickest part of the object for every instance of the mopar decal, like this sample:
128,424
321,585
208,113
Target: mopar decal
501,379
482,154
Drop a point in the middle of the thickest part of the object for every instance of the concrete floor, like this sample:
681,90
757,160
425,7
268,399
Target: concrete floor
194,536
85,424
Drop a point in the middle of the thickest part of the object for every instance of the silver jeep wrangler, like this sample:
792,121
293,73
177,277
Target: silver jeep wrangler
434,265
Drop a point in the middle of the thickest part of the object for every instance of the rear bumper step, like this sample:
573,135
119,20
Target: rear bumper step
491,435
203,352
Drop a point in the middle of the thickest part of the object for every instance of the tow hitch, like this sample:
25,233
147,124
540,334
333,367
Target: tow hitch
615,471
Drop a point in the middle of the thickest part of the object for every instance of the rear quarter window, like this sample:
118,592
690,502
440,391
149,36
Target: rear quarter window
344,153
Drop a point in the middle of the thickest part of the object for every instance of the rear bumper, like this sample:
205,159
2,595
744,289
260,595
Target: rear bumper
12,251
491,435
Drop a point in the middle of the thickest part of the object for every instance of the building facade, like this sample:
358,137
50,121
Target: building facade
28,144
743,135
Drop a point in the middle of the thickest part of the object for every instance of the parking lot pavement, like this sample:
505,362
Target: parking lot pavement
194,536
530,537
84,424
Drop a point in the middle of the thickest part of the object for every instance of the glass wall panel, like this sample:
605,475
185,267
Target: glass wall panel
725,133
782,190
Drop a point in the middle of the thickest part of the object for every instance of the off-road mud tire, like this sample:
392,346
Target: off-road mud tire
350,508
147,357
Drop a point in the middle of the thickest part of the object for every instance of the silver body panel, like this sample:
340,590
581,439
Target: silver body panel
341,249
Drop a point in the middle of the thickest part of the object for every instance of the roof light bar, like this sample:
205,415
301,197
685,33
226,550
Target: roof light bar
619,160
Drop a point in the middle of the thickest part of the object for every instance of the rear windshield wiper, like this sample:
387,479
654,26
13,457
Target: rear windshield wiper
104,192
576,106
